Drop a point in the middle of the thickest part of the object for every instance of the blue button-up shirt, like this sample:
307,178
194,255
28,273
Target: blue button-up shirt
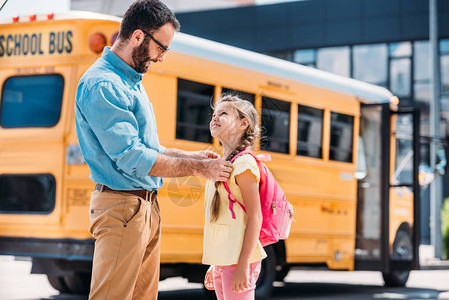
115,125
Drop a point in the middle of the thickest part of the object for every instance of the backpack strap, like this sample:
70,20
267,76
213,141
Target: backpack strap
258,158
244,151
232,200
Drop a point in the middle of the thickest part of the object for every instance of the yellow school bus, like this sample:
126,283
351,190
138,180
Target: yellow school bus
335,143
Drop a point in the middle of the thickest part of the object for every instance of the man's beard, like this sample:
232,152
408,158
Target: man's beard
141,57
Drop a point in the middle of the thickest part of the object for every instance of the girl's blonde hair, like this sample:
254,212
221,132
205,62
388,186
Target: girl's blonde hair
244,110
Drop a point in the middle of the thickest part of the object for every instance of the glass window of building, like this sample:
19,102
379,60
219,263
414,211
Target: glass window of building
305,57
370,63
444,46
194,111
400,69
275,125
445,74
334,60
401,49
444,65
421,71
445,107
400,77
341,143
285,55
310,131
421,60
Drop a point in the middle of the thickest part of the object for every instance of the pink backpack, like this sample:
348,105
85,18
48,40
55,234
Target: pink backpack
277,212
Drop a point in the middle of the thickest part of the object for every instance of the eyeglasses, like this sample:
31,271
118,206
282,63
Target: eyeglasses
163,48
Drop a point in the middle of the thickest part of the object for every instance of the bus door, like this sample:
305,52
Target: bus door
387,235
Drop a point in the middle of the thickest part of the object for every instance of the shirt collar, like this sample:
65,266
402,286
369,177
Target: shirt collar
121,66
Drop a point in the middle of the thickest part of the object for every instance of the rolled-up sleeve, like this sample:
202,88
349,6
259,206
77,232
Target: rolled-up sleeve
109,114
162,149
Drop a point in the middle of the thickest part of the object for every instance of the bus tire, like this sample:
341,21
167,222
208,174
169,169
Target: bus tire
402,249
395,278
78,283
264,285
58,283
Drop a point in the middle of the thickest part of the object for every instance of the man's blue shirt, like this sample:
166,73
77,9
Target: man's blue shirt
115,125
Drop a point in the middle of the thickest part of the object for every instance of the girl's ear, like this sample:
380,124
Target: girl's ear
244,123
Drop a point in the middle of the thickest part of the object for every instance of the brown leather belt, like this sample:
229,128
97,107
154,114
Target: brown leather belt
147,195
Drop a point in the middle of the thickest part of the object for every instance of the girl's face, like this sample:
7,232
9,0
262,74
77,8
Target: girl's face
226,126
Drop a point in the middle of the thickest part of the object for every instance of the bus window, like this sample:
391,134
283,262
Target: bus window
22,102
194,111
310,131
275,125
362,169
33,193
242,95
342,129
403,173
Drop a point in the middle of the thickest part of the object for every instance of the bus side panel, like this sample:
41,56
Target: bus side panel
180,199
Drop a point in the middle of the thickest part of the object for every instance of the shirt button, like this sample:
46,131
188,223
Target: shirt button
137,76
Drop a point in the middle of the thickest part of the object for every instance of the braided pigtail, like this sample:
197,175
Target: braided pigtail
245,110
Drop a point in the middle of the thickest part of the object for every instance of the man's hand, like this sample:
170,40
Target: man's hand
214,169
205,154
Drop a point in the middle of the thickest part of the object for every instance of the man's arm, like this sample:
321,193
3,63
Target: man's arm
171,166
191,154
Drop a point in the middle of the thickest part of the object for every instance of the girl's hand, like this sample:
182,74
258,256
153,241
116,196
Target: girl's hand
209,279
240,279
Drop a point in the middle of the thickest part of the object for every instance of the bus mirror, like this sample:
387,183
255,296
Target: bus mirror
441,160
426,175
361,172
74,155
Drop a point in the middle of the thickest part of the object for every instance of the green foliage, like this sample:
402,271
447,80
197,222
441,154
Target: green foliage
445,227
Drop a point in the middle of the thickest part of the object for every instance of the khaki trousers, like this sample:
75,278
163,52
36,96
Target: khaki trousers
126,259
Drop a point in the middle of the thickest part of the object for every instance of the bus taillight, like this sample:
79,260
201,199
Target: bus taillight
97,41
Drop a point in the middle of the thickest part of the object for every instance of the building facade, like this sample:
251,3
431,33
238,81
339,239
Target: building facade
118,7
383,42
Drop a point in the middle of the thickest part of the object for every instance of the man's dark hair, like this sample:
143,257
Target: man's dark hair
148,15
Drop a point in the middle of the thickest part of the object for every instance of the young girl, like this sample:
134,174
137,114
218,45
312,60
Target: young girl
232,245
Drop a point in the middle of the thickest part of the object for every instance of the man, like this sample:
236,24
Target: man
117,133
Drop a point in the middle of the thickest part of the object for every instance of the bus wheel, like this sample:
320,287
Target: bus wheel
78,283
57,282
264,285
402,249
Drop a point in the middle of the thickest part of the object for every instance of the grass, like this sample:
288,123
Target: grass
445,227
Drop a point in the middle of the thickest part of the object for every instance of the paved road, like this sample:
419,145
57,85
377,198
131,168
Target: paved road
16,283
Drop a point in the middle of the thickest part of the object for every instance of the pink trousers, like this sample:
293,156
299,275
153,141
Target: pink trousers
223,280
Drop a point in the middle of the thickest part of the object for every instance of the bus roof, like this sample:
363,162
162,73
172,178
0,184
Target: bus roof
67,15
195,46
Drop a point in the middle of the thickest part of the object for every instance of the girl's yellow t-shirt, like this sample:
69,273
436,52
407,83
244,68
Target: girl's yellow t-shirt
223,239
